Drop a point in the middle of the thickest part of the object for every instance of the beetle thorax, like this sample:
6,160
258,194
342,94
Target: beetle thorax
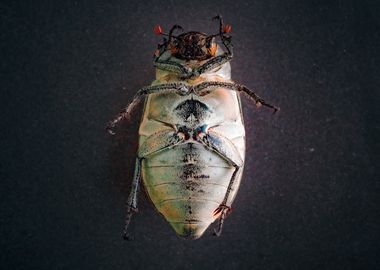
193,46
221,73
192,113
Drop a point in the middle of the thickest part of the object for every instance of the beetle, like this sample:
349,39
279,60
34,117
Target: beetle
191,137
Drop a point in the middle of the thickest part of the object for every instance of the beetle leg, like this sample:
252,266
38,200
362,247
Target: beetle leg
160,141
186,72
172,66
258,100
132,199
224,211
206,87
167,64
179,88
154,143
216,61
226,149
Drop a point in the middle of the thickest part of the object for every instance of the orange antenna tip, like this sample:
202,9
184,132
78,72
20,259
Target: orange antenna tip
157,30
227,28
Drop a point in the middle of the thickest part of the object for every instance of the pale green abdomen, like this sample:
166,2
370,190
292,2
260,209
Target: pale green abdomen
186,184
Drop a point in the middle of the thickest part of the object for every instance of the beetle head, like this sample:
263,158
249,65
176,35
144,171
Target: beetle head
191,45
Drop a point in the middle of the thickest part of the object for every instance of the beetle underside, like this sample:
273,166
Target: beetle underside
192,139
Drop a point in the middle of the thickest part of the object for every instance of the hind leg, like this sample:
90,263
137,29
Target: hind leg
132,199
156,142
226,149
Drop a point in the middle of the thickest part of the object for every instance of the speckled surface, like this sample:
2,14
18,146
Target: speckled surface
309,190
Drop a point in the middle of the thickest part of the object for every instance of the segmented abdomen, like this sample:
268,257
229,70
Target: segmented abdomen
186,184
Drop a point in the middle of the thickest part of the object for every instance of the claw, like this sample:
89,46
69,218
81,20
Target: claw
130,211
216,233
127,237
110,130
262,102
224,210
221,208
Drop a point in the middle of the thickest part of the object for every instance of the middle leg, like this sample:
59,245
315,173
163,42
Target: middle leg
179,88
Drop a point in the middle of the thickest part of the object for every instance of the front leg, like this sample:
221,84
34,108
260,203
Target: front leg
213,63
179,88
217,61
174,67
185,72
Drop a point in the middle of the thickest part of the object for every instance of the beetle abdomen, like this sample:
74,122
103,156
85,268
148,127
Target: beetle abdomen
186,184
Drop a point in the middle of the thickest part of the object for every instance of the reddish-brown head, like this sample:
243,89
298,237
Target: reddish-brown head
192,45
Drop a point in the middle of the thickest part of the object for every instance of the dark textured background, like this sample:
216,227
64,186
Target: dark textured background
308,196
